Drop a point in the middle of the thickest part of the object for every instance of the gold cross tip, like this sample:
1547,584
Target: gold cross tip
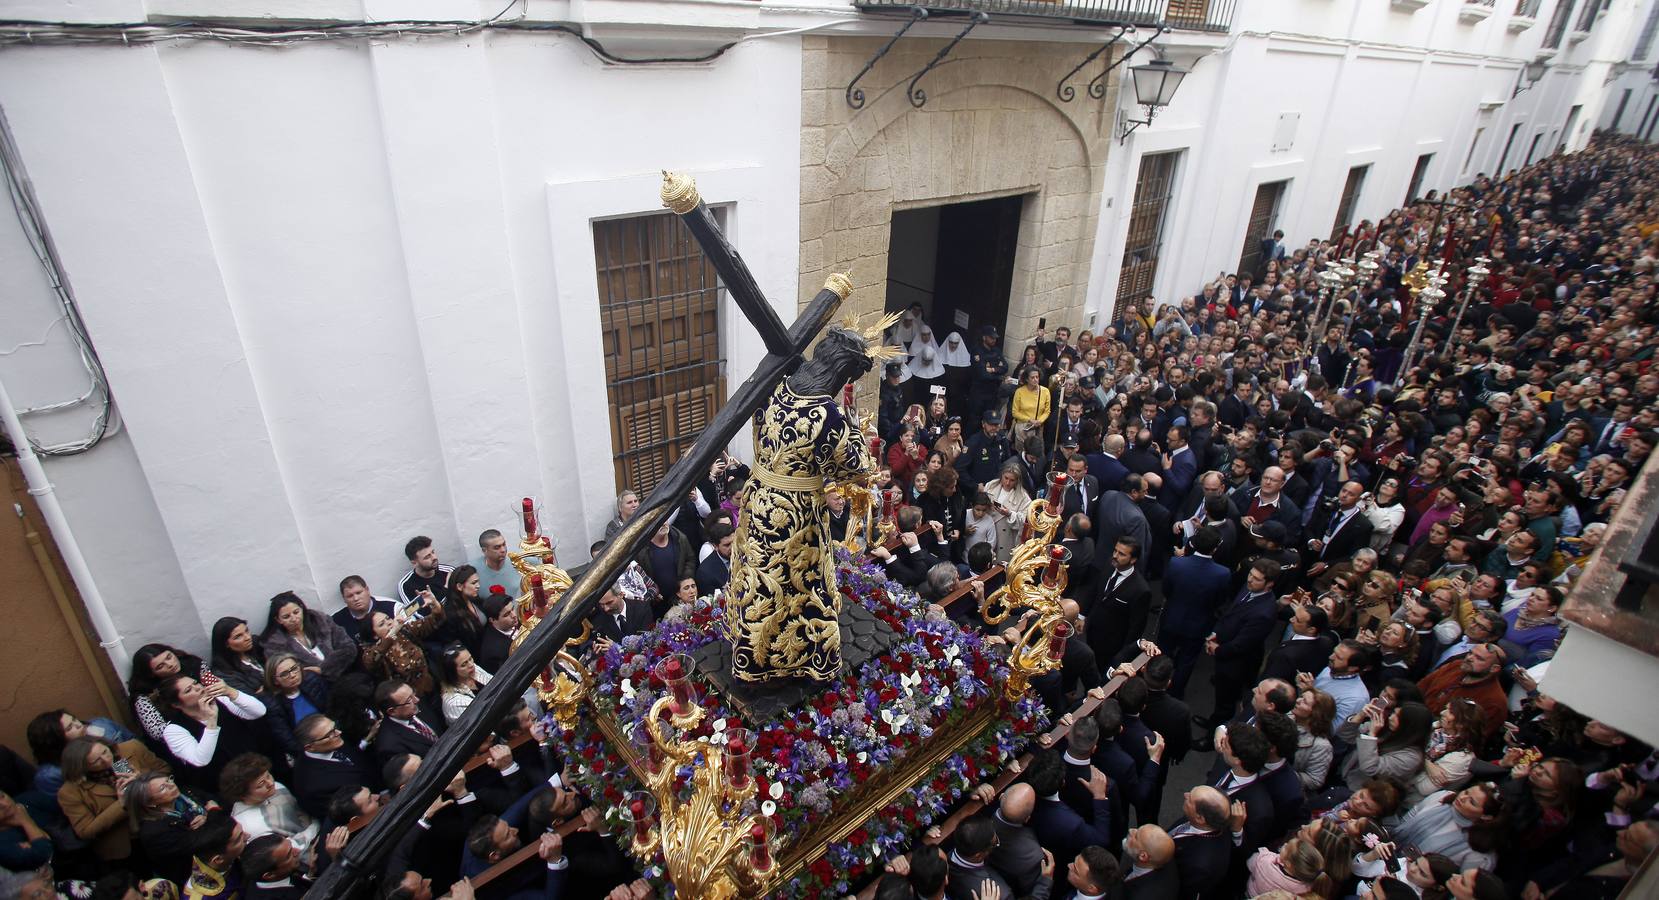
679,192
840,284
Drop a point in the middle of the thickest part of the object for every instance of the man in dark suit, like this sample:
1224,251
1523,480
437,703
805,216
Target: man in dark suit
1307,648
1071,422
497,643
1119,615
910,561
492,839
268,866
1155,553
1120,515
1271,249
1237,639
1203,843
1195,586
715,572
1246,750
1082,490
324,765
1059,828
618,617
1257,505
1092,875
1236,406
402,730
1106,466
1017,855
1079,671
1343,531
1180,467
970,875
1147,870
1284,786
1081,572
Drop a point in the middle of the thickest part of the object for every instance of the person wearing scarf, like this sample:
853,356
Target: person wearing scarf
1534,627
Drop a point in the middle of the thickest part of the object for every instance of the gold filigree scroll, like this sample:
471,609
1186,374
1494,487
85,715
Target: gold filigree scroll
782,607
564,683
1036,579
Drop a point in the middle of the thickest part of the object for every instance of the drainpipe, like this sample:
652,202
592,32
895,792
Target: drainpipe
40,487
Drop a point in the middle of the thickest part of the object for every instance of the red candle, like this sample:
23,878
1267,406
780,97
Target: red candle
547,676
1341,242
760,854
891,507
539,593
529,517
1051,576
1056,489
1057,640
847,395
675,675
737,762
875,449
642,822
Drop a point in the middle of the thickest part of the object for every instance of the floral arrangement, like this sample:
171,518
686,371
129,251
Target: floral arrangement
933,677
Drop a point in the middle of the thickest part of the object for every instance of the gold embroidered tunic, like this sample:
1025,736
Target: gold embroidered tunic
782,608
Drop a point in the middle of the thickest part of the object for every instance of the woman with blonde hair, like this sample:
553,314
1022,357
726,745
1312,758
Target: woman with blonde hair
1298,868
95,771
1011,502
1313,713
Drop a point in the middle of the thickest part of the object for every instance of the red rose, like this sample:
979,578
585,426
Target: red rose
859,837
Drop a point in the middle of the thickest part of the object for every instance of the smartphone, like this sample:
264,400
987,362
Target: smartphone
1042,321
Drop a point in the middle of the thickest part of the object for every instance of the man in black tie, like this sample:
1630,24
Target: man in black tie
1071,421
1082,490
618,617
1345,531
402,730
324,765
1119,616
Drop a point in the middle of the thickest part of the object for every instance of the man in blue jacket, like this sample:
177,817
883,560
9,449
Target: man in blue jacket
1194,587
1237,640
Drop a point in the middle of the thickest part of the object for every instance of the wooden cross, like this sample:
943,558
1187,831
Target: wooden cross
784,346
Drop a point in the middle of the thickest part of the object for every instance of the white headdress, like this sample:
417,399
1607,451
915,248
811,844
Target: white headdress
925,359
956,351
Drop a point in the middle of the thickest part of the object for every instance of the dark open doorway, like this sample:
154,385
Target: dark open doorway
957,261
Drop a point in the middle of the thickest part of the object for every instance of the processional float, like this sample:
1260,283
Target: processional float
685,796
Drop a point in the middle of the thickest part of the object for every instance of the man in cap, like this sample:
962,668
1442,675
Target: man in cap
990,369
982,458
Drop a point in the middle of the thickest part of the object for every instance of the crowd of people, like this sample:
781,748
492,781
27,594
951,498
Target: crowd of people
1371,554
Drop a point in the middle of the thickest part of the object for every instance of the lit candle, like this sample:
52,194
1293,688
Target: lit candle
539,593
529,517
760,852
1056,489
1057,640
1051,576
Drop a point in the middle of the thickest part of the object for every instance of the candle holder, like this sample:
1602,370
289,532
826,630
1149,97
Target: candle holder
1036,577
529,525
1059,557
639,810
674,671
735,759
757,846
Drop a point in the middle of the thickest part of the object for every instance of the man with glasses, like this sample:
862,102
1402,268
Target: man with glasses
324,765
402,730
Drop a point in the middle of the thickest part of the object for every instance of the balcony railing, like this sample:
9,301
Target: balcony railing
1190,15
1618,594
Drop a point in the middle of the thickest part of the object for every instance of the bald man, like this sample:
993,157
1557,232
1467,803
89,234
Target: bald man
1147,873
1267,502
1203,841
1017,856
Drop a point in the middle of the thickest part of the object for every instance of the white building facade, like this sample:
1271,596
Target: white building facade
346,291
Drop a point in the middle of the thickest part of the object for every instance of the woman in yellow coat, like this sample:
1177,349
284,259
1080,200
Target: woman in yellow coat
1031,405
94,773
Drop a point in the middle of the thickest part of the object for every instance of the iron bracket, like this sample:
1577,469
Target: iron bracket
1066,92
1097,85
918,97
855,94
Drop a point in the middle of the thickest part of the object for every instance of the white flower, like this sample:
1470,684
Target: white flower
628,688
863,757
776,791
894,722
950,652
943,698
719,725
768,808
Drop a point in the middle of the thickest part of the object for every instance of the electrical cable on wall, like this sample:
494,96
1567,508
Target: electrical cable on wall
27,209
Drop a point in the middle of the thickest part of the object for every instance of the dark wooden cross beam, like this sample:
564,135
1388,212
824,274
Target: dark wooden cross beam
784,354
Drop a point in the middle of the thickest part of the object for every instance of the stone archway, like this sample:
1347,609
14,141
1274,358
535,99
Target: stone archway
991,127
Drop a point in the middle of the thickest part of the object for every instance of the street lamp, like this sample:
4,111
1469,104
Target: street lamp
1531,74
1155,85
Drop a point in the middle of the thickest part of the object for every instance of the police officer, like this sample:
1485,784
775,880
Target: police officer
990,371
982,458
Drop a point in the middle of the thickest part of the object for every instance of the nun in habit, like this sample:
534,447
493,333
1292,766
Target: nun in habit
904,330
927,365
958,365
